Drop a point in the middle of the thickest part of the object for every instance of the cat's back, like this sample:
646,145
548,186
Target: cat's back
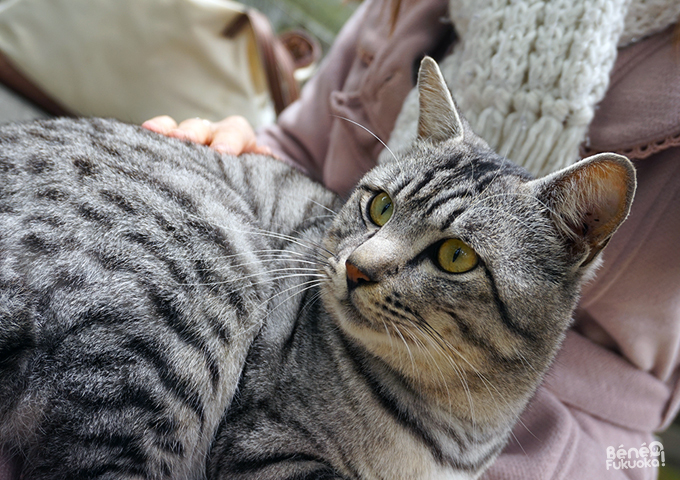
51,165
133,277
111,213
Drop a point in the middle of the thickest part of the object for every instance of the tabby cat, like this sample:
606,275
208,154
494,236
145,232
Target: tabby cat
169,313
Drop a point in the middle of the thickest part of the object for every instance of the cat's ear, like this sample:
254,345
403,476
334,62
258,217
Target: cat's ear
439,118
589,200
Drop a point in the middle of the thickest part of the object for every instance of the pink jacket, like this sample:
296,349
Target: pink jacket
615,380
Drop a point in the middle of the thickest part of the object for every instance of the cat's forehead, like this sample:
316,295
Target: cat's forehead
438,184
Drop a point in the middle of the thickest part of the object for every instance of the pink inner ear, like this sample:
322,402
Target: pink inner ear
589,200
608,183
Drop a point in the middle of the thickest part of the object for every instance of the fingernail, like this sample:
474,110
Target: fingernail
149,125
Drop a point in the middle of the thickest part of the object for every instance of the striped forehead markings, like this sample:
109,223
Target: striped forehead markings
478,172
446,197
455,178
451,218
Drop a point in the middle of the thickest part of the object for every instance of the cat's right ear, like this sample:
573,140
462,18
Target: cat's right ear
588,201
439,119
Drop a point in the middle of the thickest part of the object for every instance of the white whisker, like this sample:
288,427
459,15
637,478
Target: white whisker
374,135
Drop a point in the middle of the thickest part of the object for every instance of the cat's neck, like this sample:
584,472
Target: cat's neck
430,417
441,387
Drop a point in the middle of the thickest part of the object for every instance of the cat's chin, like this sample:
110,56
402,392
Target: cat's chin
349,317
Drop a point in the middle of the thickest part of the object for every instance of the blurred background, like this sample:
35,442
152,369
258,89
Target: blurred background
322,19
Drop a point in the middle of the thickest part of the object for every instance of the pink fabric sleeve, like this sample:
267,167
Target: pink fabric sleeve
631,120
301,135
354,99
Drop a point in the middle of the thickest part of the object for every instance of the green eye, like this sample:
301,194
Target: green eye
456,256
381,209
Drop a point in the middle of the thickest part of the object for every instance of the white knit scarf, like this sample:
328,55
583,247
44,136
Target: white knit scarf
528,74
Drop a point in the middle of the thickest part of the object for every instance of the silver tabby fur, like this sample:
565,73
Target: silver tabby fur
168,313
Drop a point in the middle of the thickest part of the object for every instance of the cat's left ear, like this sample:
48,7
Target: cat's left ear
439,119
589,200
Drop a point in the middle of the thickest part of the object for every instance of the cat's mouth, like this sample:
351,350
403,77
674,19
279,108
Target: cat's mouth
365,312
353,308
359,312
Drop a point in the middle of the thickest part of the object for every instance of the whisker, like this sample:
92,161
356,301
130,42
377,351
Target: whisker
263,261
413,363
303,287
307,285
330,210
525,361
281,236
486,382
312,301
433,361
266,233
374,135
312,272
437,338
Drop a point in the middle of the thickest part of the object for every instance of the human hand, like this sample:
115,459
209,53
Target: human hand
231,136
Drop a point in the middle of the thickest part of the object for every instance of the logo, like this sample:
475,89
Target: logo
644,457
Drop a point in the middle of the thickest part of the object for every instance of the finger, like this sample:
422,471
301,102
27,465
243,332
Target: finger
162,124
196,130
263,150
233,136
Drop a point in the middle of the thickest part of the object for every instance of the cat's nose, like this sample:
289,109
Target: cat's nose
355,276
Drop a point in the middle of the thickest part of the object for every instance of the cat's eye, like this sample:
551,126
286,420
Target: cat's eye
456,256
381,209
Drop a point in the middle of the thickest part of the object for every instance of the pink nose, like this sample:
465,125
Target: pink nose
355,275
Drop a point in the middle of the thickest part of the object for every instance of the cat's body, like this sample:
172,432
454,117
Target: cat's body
115,269
166,316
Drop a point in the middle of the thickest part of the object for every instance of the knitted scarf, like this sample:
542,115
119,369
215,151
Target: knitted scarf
528,74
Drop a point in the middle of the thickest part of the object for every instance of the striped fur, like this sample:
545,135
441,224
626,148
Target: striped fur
168,313
134,275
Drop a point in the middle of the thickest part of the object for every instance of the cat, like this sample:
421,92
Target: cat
166,312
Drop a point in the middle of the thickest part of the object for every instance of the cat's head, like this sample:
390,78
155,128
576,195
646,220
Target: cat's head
460,270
